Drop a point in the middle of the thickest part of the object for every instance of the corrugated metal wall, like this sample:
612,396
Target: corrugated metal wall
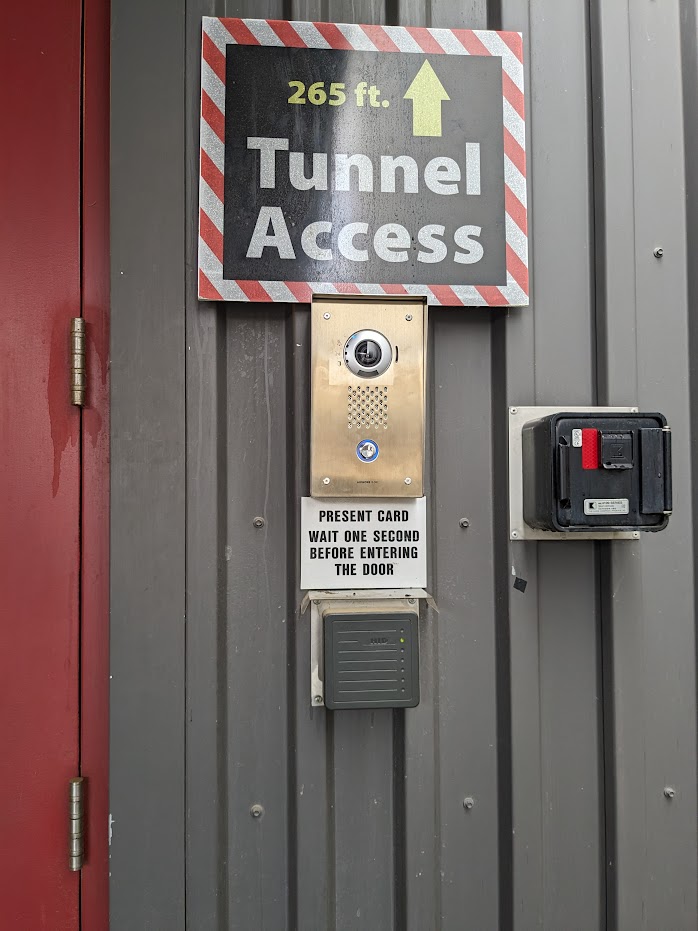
564,710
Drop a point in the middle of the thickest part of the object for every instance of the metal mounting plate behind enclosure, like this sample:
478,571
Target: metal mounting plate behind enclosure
387,410
518,528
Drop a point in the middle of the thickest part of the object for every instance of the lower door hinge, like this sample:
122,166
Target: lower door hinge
78,378
76,823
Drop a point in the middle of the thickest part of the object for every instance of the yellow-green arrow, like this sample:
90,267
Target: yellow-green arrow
426,93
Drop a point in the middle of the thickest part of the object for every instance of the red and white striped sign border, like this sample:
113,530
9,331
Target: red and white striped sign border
218,33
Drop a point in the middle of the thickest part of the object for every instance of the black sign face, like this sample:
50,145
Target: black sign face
347,167
369,169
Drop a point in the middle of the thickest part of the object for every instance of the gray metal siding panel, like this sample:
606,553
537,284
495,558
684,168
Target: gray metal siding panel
256,615
463,585
363,816
453,853
148,465
651,609
562,710
517,354
557,797
312,766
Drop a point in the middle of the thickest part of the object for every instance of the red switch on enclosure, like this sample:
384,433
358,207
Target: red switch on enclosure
590,449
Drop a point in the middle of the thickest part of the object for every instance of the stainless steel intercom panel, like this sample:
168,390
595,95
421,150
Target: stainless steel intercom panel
367,401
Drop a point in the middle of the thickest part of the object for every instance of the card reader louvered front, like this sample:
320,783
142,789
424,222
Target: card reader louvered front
372,660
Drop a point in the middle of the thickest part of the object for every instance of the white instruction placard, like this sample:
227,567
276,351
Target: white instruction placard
363,543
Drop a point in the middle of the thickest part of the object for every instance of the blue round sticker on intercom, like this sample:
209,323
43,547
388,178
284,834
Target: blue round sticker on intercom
367,450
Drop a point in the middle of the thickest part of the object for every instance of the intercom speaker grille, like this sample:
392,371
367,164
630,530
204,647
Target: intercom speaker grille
367,407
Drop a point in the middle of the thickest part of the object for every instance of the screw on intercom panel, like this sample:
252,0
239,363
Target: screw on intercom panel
464,523
514,534
408,317
658,252
468,802
317,699
326,316
258,521
325,481
513,410
669,792
408,481
256,811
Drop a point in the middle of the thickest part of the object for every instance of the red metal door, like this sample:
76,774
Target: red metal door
40,288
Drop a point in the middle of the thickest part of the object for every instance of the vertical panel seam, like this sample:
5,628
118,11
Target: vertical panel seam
595,178
502,616
185,638
332,836
632,175
222,621
292,620
399,822
599,298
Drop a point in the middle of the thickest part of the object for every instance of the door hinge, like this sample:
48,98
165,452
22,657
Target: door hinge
76,823
78,379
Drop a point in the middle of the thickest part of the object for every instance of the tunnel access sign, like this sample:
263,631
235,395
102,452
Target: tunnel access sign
363,159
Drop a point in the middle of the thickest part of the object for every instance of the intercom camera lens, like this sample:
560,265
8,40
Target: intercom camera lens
368,353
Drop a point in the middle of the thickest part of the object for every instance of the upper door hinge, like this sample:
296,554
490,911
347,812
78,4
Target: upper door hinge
76,823
78,378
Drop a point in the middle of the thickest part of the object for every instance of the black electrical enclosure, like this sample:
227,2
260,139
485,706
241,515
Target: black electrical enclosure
597,472
372,660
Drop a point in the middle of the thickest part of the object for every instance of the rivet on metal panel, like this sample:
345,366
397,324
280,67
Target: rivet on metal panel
513,410
468,802
658,252
326,316
408,317
318,698
258,522
408,481
325,481
669,792
464,523
256,811
636,535
514,534
411,601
